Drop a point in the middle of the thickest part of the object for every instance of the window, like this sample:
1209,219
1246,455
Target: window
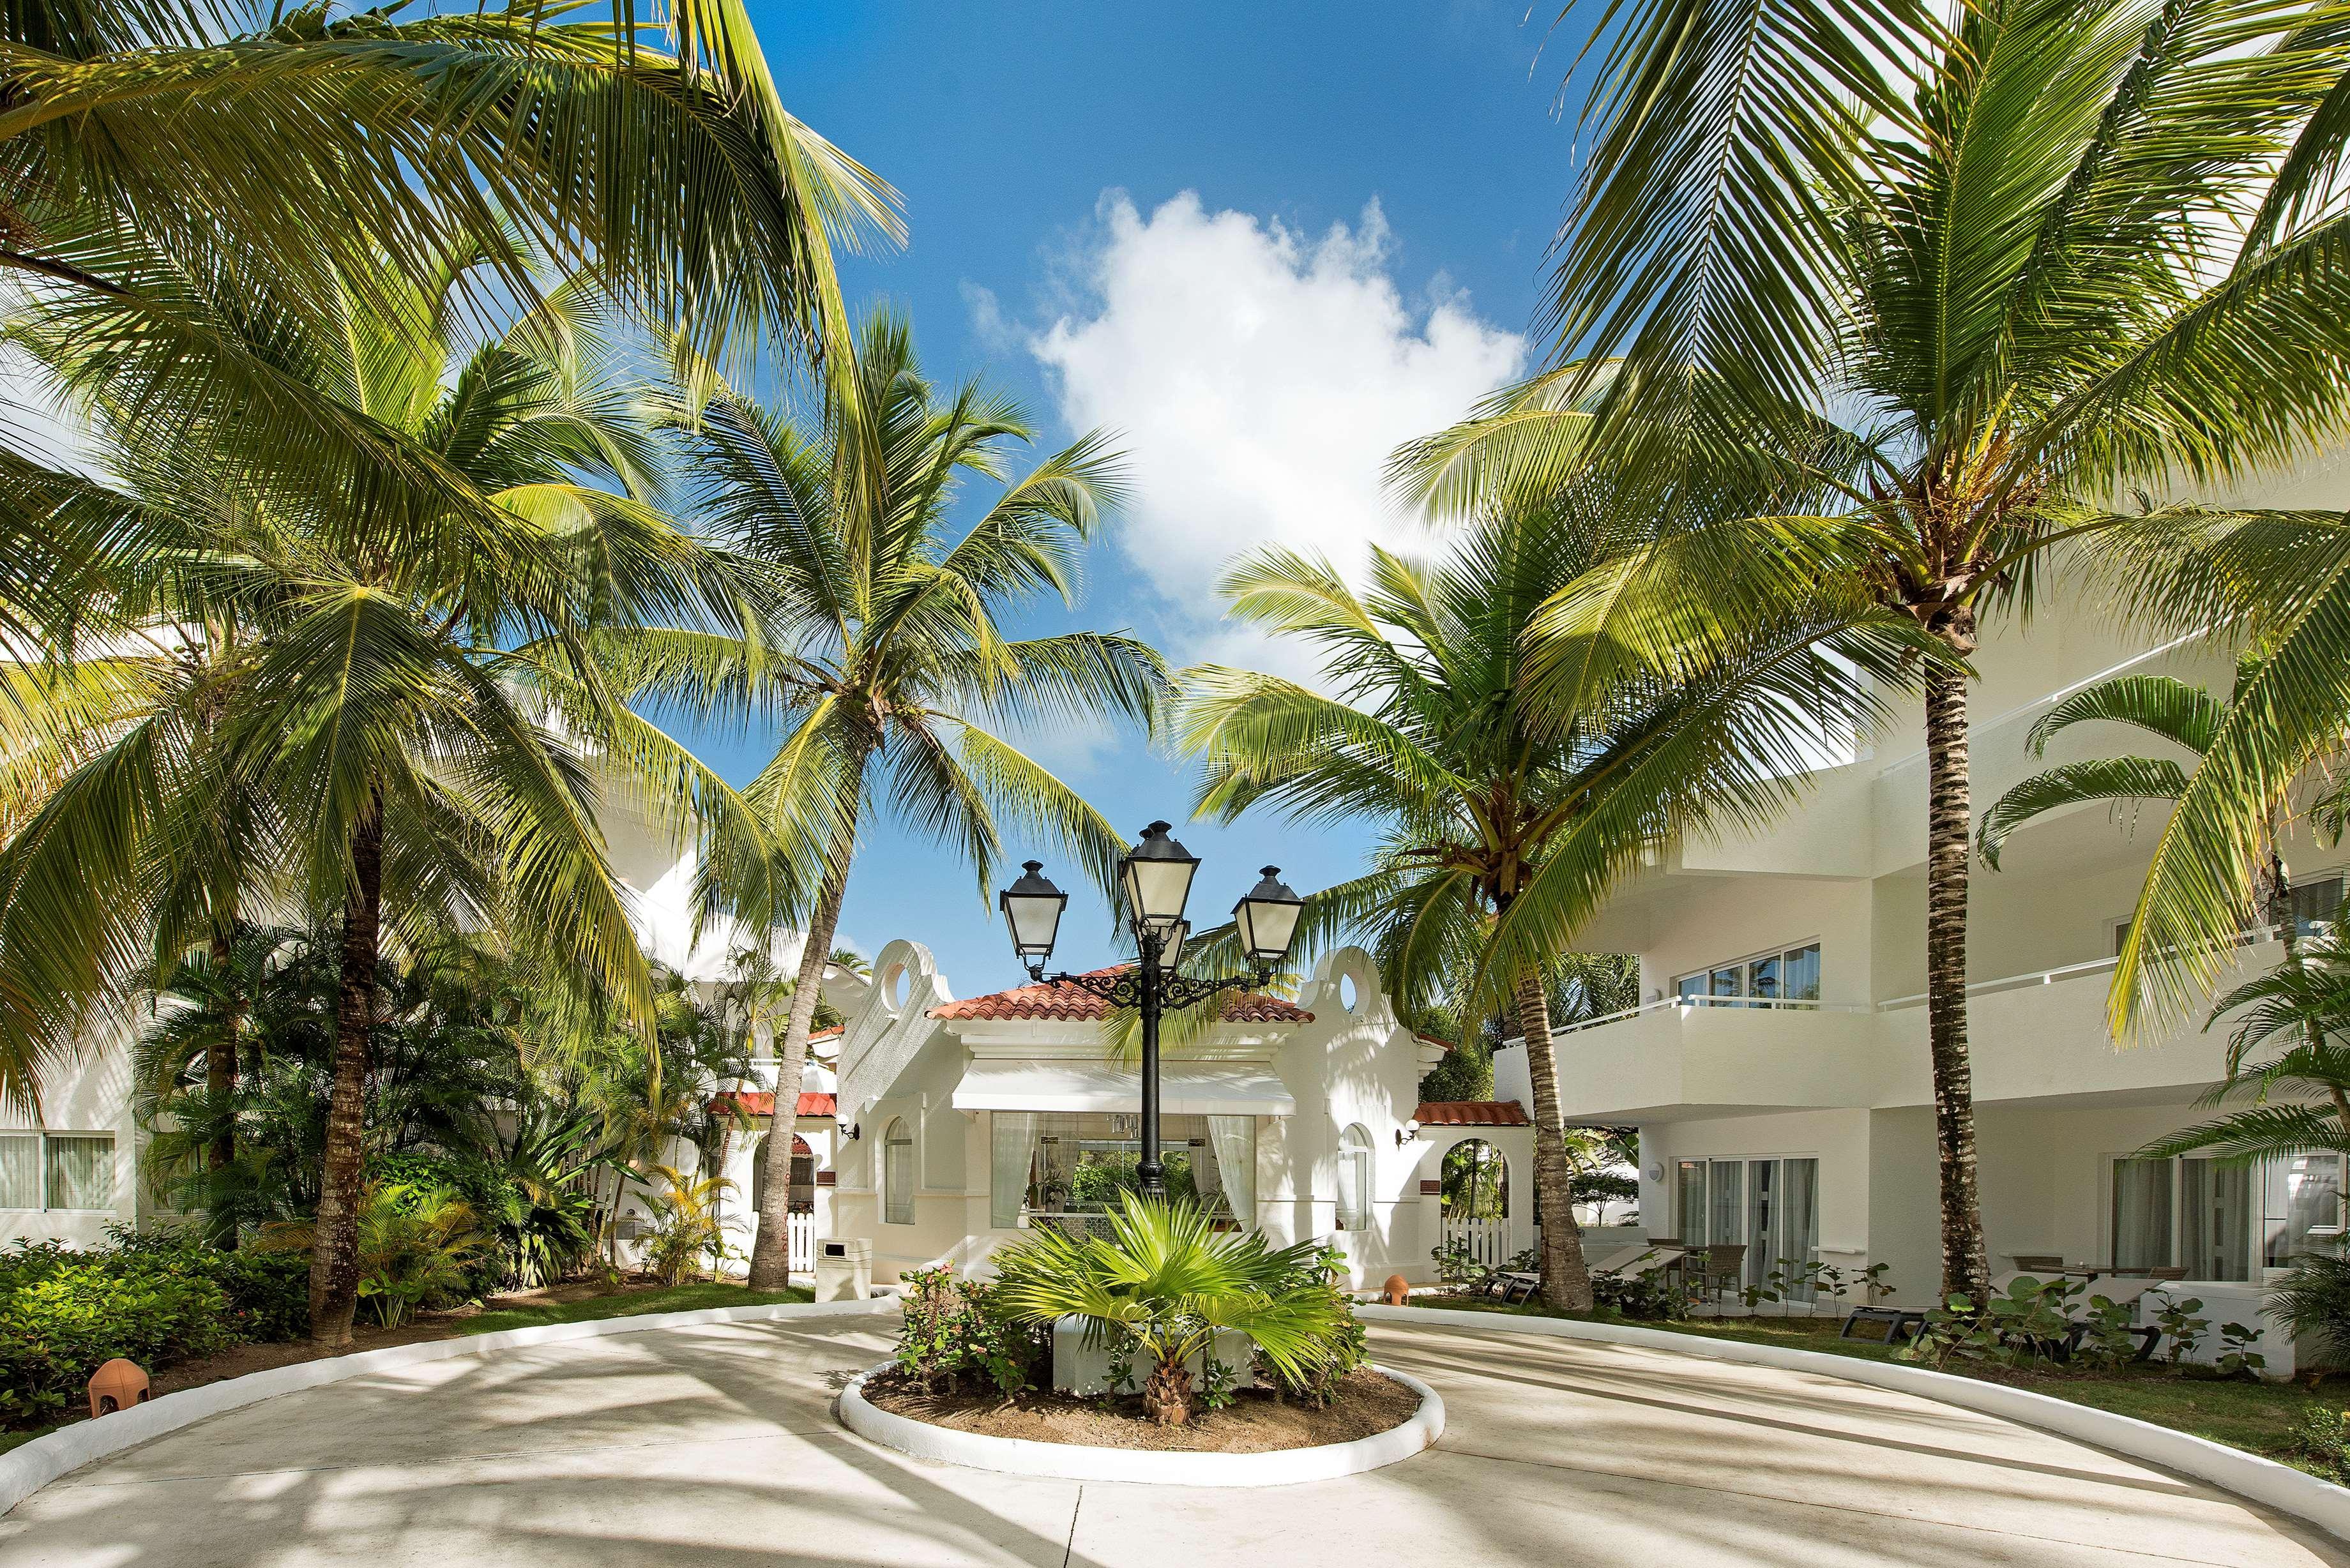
2316,900
56,1170
2196,1214
1765,979
1355,1179
1770,1204
2302,1207
1062,1163
897,1173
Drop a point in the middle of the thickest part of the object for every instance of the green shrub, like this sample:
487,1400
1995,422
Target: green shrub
2313,1303
2322,1437
57,1328
956,1331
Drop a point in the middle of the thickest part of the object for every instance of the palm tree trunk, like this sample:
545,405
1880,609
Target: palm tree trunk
334,1255
1565,1280
1966,1267
771,1246
220,1084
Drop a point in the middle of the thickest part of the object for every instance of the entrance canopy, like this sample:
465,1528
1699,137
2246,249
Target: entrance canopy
1185,1089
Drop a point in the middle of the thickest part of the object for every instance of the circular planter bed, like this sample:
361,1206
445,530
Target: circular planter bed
1381,1416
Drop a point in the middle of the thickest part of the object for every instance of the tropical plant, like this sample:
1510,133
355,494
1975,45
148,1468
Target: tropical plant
2301,1092
953,1329
414,703
1484,794
2311,1304
686,1231
304,147
1886,300
1163,1283
881,649
414,1246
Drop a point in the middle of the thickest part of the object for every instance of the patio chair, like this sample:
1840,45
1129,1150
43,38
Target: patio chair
1721,1266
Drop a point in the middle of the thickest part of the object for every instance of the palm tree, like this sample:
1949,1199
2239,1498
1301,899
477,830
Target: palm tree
1892,300
880,647
1485,799
2307,1003
310,148
414,701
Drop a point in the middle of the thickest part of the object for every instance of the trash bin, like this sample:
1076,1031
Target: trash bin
843,1269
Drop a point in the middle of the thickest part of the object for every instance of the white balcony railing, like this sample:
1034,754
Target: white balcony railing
1691,1004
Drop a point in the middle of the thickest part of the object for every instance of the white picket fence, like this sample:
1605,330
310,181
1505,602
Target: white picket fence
802,1236
1488,1240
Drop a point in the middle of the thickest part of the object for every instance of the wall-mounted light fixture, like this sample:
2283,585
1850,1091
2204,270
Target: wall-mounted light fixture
1406,1133
852,1132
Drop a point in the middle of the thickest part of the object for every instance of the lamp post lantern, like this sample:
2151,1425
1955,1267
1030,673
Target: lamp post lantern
1154,880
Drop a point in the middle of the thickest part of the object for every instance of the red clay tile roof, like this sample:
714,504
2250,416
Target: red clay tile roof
759,1103
1432,1040
1074,1004
832,1033
1470,1114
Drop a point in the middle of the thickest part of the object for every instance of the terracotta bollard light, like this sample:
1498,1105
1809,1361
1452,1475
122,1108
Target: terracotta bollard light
1395,1291
117,1385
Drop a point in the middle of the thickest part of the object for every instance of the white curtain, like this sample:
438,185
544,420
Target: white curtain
1233,1141
1015,1142
20,1171
2141,1213
81,1172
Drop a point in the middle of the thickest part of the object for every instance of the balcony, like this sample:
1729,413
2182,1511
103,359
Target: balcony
2040,1036
1679,1061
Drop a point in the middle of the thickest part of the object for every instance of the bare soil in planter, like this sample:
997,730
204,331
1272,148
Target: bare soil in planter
1253,1423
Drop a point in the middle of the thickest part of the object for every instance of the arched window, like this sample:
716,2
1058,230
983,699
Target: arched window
1355,1178
898,1173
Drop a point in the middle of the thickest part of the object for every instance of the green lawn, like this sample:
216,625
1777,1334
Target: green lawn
2255,1416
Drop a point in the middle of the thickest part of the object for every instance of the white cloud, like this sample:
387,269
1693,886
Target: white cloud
1258,378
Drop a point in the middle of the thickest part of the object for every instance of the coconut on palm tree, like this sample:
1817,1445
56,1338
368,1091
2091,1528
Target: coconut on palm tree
880,643
1893,298
1486,798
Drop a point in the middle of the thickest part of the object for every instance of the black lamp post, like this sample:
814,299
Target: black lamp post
1155,879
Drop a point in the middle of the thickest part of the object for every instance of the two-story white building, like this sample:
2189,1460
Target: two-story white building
1777,1069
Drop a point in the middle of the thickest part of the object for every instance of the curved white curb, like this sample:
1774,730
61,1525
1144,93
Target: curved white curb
1150,1467
2280,1487
32,1466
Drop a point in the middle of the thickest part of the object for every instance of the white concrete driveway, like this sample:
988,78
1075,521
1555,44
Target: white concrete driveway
716,1446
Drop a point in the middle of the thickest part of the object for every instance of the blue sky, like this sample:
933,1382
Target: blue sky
1264,242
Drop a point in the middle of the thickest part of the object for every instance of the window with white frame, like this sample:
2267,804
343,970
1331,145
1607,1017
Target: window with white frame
54,1170
897,1173
1770,1204
2315,901
1355,1178
2220,1222
1788,974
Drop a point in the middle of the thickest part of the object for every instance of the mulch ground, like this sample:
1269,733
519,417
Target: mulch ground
1254,1423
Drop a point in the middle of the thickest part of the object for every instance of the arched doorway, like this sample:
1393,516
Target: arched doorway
1475,1180
803,1194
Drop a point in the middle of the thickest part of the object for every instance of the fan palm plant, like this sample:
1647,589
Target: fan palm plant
1892,298
880,647
1163,1283
305,147
414,703
1485,800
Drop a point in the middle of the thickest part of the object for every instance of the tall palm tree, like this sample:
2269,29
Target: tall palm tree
1894,297
304,149
881,649
2308,1003
1485,799
412,699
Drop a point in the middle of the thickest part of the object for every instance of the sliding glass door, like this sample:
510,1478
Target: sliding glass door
1770,1205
